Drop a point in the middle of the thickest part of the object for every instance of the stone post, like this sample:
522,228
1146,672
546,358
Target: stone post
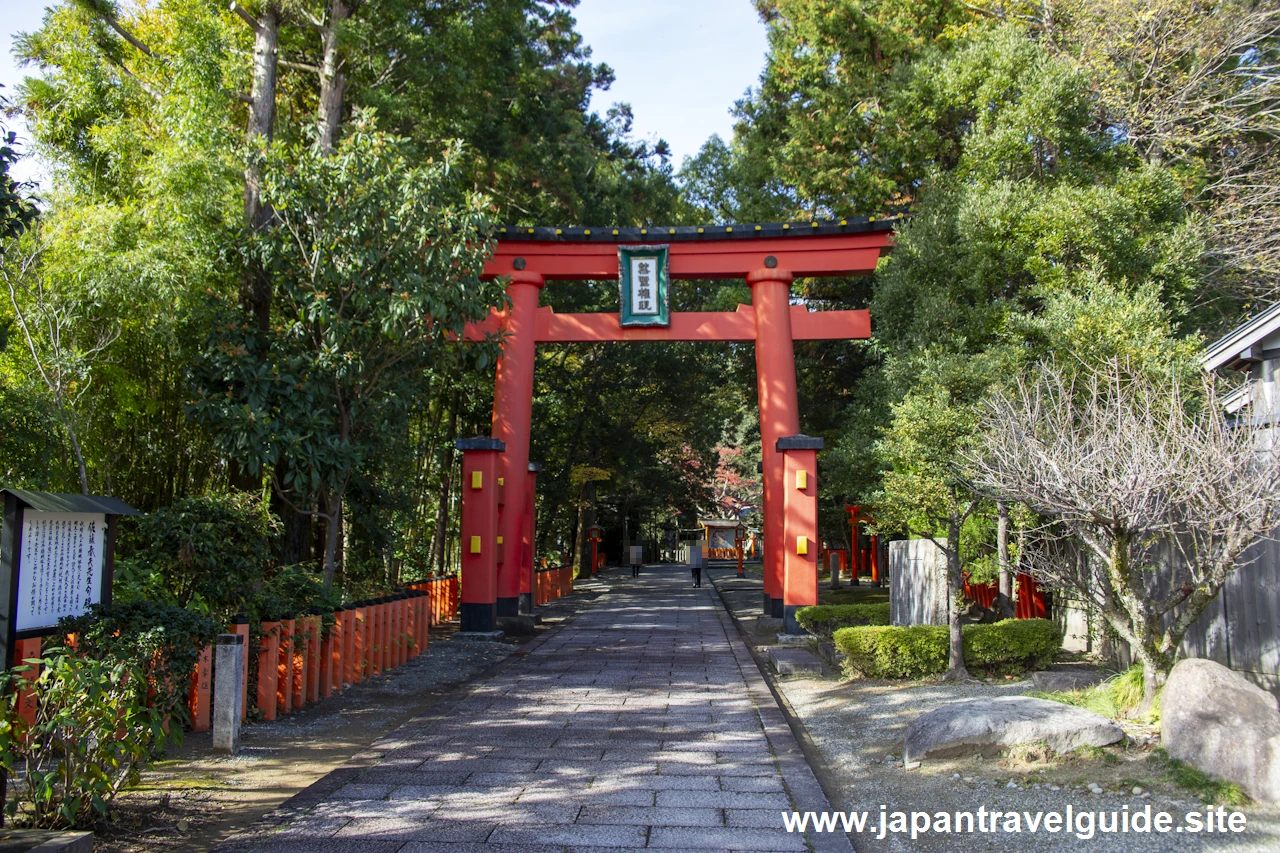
228,692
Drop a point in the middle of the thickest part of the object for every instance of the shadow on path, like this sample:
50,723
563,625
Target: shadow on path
641,724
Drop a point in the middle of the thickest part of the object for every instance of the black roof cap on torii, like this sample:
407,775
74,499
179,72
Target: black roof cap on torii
693,233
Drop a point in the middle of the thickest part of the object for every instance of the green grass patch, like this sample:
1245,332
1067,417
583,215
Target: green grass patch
1208,788
1116,698
1096,753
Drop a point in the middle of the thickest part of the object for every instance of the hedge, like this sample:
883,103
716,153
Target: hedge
825,619
917,651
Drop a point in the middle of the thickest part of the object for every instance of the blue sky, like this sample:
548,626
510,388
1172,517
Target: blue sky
681,64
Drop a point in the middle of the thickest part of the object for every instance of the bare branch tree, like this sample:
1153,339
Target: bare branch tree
1145,476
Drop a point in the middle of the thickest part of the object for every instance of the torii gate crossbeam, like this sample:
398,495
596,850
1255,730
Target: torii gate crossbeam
498,578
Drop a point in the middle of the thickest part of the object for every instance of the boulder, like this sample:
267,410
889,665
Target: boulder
987,726
1059,680
1217,721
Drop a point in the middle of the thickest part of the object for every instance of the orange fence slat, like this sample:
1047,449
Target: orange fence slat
201,690
268,674
25,650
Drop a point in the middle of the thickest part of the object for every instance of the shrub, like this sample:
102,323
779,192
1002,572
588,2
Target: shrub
93,730
1012,645
162,642
825,619
291,591
921,650
207,551
884,651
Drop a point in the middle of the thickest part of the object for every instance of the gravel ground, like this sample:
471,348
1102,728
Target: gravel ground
857,727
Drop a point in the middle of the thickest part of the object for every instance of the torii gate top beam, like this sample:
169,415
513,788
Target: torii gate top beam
844,247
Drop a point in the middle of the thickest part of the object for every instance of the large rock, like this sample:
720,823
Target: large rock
1214,719
987,726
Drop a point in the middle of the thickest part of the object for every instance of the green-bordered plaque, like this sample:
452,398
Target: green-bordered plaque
644,286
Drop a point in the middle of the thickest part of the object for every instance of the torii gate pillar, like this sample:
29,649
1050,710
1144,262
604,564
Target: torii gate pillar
779,413
512,415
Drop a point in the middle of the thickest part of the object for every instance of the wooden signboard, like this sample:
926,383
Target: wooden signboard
57,557
644,286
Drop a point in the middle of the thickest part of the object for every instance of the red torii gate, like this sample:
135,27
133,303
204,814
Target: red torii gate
497,577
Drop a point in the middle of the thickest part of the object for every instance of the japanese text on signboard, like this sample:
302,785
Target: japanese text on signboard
644,286
60,571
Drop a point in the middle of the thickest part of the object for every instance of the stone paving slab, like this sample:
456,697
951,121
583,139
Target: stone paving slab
642,724
794,661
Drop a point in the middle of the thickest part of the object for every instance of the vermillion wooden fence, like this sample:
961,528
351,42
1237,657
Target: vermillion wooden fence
550,584
1030,598
299,662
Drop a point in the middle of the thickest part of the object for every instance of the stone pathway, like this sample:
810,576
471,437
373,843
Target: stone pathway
642,724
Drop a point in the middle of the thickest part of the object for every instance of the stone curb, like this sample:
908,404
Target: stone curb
45,841
810,782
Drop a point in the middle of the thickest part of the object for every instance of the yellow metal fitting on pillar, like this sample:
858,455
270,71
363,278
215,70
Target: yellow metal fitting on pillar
802,480
802,545
477,479
499,540
502,481
475,544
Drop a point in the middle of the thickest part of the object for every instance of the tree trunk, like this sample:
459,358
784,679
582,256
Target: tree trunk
75,448
438,539
296,523
333,525
956,670
333,82
626,535
1005,595
586,520
1155,669
255,283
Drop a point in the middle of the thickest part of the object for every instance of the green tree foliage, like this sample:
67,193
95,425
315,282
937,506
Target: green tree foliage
376,264
16,210
142,111
208,552
1061,209
821,119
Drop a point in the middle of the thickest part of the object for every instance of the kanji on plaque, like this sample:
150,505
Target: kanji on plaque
60,567
642,301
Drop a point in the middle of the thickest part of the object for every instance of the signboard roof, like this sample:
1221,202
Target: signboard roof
55,502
